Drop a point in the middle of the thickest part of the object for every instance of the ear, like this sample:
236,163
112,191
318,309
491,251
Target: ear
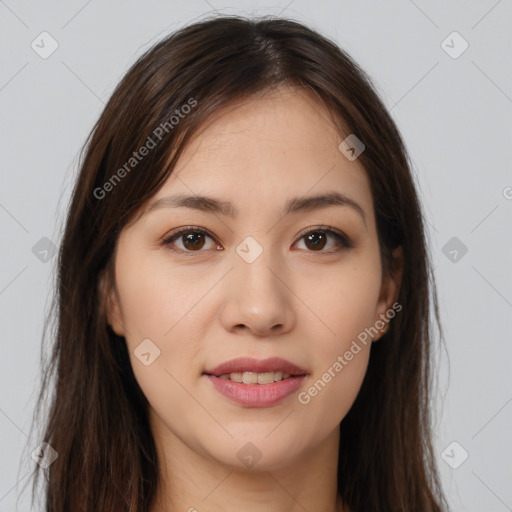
390,289
109,300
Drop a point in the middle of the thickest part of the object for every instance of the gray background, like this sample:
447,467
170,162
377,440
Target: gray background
454,114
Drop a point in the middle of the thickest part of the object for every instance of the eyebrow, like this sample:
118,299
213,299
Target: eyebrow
293,205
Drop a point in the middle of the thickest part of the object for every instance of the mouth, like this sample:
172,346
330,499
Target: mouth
255,378
256,383
246,370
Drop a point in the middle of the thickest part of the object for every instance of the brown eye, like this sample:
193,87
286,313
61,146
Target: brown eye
191,240
316,240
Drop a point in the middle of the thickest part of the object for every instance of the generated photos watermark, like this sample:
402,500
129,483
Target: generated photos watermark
151,142
363,337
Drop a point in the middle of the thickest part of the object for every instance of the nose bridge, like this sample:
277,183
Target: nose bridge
253,266
257,274
259,298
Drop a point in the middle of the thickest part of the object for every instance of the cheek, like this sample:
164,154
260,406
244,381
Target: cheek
332,390
158,305
340,370
155,310
155,296
344,301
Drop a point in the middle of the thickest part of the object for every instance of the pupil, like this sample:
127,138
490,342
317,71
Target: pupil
316,244
189,239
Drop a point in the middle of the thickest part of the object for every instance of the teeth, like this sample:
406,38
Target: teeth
256,378
250,378
266,378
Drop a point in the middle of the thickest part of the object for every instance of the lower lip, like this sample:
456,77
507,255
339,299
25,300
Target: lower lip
256,395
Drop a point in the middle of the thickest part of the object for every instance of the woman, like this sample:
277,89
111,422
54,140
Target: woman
243,290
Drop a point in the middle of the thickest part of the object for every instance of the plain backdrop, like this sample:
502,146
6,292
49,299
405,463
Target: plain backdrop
452,104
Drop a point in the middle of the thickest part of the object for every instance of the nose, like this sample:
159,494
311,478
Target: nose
258,298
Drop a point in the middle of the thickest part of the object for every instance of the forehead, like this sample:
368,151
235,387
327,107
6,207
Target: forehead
286,122
259,152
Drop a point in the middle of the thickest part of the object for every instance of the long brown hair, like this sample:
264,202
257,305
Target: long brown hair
97,414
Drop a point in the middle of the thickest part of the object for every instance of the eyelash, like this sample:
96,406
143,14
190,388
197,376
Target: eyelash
342,240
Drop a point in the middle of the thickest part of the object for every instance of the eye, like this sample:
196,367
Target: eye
316,239
192,239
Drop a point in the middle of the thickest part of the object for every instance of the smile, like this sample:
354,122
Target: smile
255,378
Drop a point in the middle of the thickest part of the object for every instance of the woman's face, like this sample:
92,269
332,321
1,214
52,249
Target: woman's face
259,273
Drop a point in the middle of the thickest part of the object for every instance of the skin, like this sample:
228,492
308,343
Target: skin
208,305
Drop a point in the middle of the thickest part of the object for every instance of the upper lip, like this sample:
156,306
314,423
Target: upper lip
249,364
